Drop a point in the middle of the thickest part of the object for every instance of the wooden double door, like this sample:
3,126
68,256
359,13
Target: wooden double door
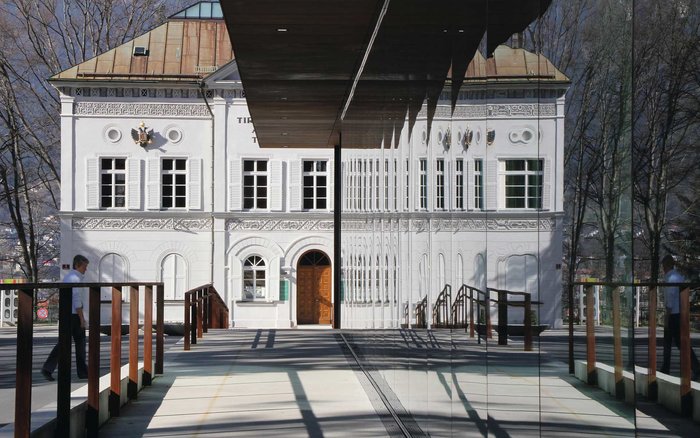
314,304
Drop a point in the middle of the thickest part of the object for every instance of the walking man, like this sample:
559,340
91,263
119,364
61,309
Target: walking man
77,326
672,320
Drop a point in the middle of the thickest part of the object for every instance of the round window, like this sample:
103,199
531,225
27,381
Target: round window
113,135
174,135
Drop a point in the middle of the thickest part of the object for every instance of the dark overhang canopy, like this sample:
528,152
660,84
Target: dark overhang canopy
312,69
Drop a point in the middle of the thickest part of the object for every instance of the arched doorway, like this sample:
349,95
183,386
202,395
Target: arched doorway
314,289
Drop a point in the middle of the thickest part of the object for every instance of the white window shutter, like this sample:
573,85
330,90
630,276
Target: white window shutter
330,191
546,185
468,181
295,185
416,185
153,184
275,189
92,184
492,184
195,183
133,177
235,189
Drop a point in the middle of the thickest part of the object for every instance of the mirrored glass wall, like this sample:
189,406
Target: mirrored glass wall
471,218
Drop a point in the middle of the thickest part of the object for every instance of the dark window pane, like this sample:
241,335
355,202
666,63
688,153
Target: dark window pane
167,202
107,190
262,180
180,191
180,179
248,165
262,166
180,202
308,192
248,192
120,178
167,164
167,190
248,203
180,164
308,181
120,163
321,166
248,180
308,166
308,204
119,202
321,181
106,163
106,178
262,203
321,192
120,190
515,165
321,203
262,192
106,202
167,179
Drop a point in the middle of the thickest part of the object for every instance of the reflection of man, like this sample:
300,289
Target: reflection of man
672,320
77,323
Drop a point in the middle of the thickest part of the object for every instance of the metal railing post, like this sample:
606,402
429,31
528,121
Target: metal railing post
132,386
188,303
471,312
617,344
23,370
502,318
528,323
590,337
147,336
115,392
65,298
160,327
653,385
92,415
685,346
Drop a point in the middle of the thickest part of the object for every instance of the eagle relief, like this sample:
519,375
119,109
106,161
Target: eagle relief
142,136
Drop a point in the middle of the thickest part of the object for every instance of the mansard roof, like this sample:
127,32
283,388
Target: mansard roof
187,47
513,65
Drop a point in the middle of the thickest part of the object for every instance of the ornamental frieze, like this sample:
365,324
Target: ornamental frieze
140,109
450,225
503,111
278,225
141,224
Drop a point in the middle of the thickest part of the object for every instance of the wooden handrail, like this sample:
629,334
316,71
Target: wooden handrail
204,309
685,344
441,308
25,334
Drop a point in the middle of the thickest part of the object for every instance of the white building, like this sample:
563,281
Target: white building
201,202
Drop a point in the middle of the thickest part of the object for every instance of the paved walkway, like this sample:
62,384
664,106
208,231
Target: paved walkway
305,383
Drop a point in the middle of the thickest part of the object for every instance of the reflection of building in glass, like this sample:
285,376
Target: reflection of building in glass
475,199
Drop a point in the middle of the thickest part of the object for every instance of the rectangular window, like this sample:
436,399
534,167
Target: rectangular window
440,184
396,185
315,178
408,175
112,182
478,184
255,184
386,184
522,183
377,187
174,183
423,181
459,184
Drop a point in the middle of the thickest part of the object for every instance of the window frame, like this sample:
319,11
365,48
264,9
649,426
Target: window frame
112,185
422,184
174,172
315,174
527,183
479,184
440,184
255,174
459,184
255,268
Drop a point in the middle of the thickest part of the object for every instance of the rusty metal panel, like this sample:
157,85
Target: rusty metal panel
224,52
173,48
156,48
122,59
190,47
139,63
207,48
105,62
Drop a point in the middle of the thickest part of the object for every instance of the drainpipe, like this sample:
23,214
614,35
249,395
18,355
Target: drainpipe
202,90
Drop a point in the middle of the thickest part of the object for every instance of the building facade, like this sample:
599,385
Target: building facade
163,179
